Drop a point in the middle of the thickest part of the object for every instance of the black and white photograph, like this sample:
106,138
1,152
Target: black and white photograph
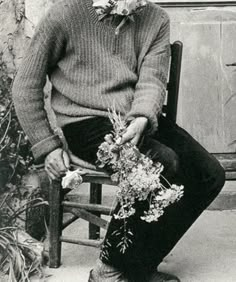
117,141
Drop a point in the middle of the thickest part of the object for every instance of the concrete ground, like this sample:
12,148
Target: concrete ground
207,253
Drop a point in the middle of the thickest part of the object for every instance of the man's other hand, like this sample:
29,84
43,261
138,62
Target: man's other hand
57,163
134,131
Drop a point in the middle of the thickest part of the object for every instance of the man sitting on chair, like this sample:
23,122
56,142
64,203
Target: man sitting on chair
96,58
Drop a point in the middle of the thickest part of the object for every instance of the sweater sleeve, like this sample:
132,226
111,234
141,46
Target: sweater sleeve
150,89
41,57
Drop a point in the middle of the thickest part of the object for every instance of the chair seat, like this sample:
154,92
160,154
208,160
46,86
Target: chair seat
98,177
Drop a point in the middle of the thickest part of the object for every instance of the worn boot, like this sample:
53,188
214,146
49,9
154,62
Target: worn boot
163,277
106,273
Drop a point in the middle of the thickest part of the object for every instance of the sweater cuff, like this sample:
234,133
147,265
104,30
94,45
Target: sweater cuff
44,147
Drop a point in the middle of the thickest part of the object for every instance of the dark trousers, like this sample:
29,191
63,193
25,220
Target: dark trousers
186,162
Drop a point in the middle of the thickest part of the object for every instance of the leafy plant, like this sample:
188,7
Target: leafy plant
14,146
15,157
20,255
18,260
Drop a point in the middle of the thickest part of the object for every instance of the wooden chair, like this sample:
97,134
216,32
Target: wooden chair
92,211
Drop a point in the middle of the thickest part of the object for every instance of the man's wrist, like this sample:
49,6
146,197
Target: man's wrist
141,119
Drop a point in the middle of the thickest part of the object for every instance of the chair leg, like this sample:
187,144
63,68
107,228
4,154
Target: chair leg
95,198
55,224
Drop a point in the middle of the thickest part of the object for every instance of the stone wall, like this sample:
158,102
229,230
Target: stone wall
208,82
12,36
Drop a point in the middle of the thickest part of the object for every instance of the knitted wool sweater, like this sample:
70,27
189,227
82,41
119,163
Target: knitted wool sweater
91,69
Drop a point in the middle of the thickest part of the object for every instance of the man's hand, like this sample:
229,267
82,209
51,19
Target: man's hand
134,131
57,163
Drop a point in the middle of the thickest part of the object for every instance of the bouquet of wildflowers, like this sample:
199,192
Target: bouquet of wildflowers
138,177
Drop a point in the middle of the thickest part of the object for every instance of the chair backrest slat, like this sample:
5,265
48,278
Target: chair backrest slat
174,80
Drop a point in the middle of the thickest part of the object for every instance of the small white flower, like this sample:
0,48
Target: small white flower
72,179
